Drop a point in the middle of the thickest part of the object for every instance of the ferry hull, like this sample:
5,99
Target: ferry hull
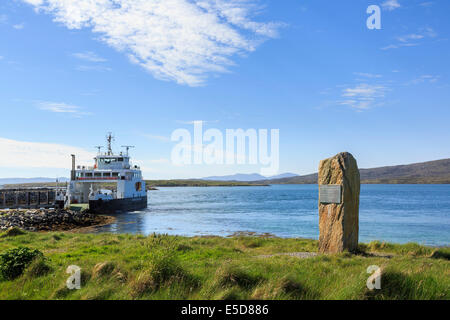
59,204
117,205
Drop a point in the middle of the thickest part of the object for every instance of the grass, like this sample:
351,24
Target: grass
169,267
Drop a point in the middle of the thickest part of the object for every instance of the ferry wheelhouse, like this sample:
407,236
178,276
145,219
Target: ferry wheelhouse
112,185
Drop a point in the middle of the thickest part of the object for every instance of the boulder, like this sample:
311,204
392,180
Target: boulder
339,222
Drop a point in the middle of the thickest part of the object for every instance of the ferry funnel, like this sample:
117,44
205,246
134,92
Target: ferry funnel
72,173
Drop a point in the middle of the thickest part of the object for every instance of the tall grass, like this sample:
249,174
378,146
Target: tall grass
170,267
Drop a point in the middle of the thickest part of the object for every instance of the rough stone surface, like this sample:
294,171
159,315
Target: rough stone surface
47,219
339,223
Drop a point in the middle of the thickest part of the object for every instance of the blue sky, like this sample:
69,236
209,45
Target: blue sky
71,72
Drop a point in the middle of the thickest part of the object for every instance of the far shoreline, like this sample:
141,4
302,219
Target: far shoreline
206,184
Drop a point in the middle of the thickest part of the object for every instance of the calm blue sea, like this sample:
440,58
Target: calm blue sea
394,213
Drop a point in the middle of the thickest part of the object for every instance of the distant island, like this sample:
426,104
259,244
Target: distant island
251,177
431,172
151,184
202,183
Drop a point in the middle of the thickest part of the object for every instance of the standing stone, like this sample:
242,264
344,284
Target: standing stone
338,216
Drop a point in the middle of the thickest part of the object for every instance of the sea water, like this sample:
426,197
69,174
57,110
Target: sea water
393,213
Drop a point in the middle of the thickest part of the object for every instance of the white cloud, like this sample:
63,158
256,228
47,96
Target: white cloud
391,5
3,18
18,154
396,46
88,56
428,32
61,107
426,4
413,39
93,68
368,75
363,96
410,37
176,40
364,90
19,26
428,78
35,2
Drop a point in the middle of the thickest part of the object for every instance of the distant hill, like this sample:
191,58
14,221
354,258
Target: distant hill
431,172
5,181
425,172
284,175
201,183
248,177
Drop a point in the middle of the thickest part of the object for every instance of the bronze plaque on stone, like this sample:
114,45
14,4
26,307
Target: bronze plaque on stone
330,193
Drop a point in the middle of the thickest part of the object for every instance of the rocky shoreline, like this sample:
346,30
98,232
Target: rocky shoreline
49,219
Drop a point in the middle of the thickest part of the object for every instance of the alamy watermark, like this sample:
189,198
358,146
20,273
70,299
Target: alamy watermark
374,20
236,146
374,281
74,281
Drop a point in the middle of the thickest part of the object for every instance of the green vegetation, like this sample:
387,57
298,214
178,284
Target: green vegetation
200,183
14,261
170,267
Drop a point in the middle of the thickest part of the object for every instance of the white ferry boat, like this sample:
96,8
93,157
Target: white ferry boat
88,184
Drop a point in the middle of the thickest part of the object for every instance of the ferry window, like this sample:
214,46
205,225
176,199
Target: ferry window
88,174
115,174
120,159
107,174
98,174
108,160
